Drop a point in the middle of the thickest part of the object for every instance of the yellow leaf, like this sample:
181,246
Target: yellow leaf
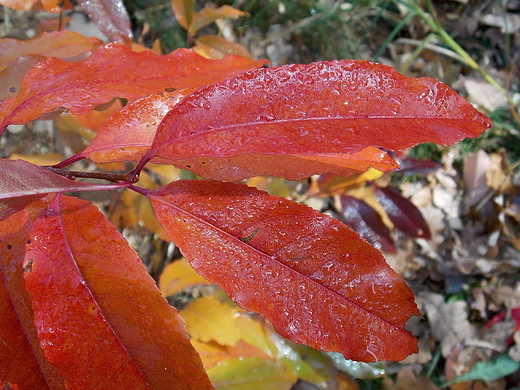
179,276
273,185
250,374
212,352
208,15
183,11
215,48
39,159
254,333
209,320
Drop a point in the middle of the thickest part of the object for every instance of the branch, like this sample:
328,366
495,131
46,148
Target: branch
112,177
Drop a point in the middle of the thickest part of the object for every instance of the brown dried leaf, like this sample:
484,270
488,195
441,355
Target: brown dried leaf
474,173
448,321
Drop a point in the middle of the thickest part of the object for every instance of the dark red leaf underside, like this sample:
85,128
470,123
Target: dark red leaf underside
367,222
282,121
312,277
403,213
411,166
22,183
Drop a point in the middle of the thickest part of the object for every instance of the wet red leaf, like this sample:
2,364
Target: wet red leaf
283,121
53,85
403,213
128,134
21,359
367,222
313,278
101,321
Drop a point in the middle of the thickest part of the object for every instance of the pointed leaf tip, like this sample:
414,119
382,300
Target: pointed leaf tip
313,278
285,120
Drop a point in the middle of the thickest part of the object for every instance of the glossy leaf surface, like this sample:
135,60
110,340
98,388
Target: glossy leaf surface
21,358
128,134
21,183
313,278
290,120
112,71
403,213
100,318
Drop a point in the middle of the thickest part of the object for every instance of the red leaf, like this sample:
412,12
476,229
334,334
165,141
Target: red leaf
367,222
111,18
21,358
403,213
313,278
21,183
112,71
101,320
277,120
128,134
410,165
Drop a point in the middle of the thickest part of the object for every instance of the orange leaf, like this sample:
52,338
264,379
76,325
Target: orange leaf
183,11
215,47
179,276
298,120
95,303
314,279
212,353
60,44
112,71
208,15
93,119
